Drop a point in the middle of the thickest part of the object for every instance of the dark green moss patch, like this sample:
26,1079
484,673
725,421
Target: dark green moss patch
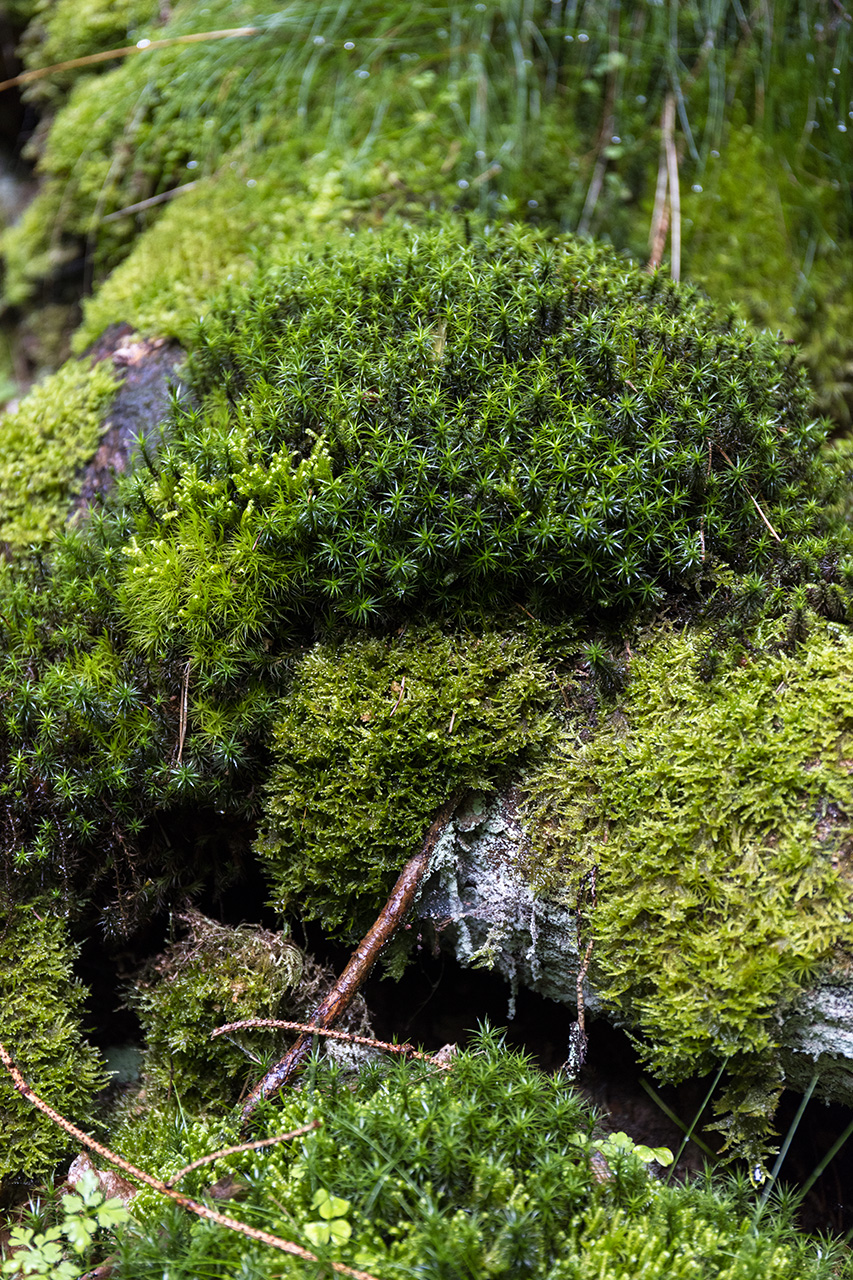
427,418
371,739
483,1171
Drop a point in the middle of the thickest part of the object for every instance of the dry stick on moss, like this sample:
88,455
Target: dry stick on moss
243,1146
200,1210
310,1029
577,1031
26,77
363,959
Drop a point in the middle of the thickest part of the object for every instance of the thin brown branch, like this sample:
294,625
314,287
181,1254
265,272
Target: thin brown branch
182,719
660,216
244,1146
310,1029
26,77
363,959
193,1206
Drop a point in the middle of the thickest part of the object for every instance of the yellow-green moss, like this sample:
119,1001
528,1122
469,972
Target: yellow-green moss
215,974
40,1006
718,816
43,445
372,738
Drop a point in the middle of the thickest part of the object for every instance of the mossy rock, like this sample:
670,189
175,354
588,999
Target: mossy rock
40,1013
702,830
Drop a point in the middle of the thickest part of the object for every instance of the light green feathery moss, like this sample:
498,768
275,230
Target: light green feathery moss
43,445
717,815
39,1025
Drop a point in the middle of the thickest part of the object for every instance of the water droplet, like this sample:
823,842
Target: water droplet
533,204
616,138
192,164
349,45
362,73
481,8
463,184
319,39
715,154
142,44
842,128
696,187
568,39
583,37
641,99
481,155
836,71
252,182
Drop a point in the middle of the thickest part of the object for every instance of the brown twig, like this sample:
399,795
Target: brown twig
400,696
309,1029
243,1146
182,718
200,1210
26,77
363,959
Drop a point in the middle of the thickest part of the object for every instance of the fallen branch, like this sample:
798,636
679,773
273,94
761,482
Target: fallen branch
363,959
200,1210
367,1041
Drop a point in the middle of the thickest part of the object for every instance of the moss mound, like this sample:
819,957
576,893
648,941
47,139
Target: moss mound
420,420
43,446
371,739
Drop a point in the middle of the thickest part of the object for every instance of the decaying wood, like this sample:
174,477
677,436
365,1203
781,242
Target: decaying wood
362,961
200,1210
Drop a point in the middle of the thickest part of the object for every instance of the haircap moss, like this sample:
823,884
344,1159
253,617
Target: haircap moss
431,416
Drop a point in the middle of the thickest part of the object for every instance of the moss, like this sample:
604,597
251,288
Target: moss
44,444
718,816
215,974
424,421
60,30
745,251
371,739
482,1171
40,1007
